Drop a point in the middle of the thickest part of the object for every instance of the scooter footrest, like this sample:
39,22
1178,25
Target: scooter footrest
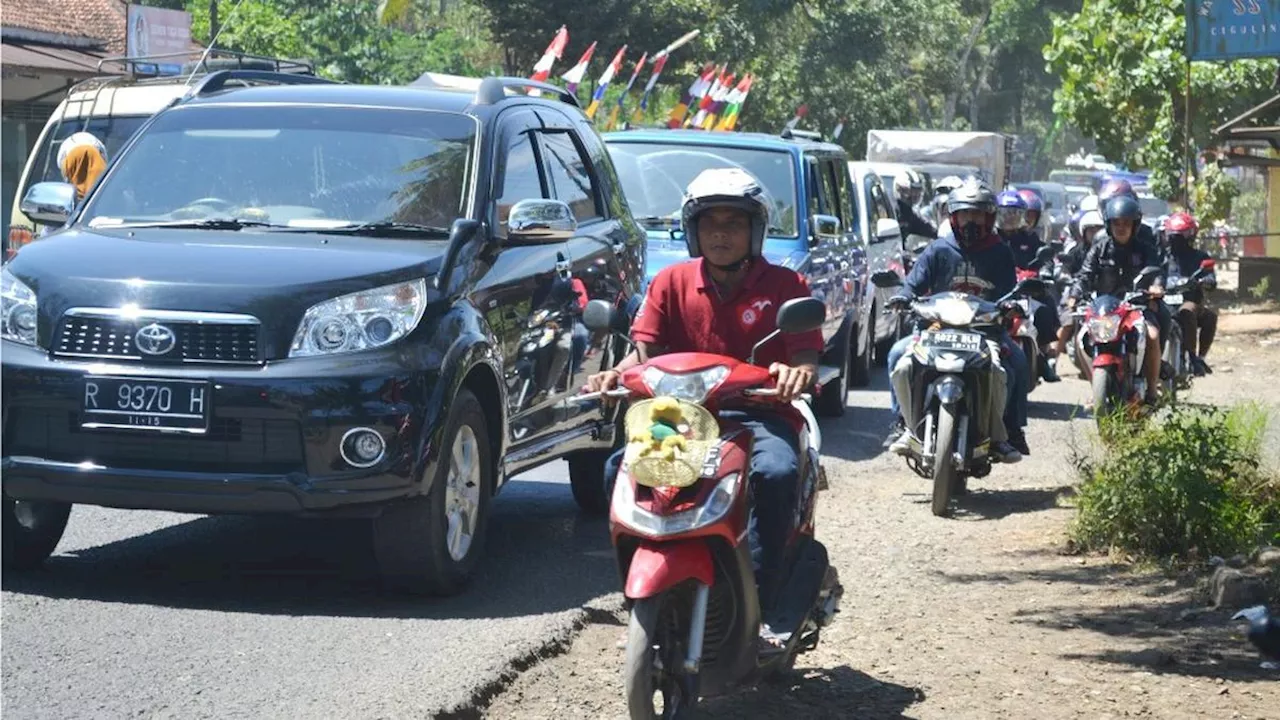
797,596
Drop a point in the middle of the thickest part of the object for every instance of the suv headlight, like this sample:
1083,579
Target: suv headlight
361,321
690,387
17,310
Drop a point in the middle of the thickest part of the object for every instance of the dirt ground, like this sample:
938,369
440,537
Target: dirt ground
984,615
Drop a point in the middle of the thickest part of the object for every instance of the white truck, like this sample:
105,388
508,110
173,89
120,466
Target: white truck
944,152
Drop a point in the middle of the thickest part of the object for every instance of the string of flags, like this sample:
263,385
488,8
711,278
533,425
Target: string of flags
713,101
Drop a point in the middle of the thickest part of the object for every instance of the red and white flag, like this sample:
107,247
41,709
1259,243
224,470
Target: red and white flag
800,113
542,70
576,73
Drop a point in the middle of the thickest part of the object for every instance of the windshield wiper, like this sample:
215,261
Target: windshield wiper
203,224
377,229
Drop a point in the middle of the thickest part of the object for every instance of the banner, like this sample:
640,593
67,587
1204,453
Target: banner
156,31
1231,29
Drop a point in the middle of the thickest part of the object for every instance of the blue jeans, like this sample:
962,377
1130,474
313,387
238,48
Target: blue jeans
774,483
1015,366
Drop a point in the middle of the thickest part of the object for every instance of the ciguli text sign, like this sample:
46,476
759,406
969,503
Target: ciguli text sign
1231,29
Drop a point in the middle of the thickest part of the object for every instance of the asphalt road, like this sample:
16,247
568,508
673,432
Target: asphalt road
161,615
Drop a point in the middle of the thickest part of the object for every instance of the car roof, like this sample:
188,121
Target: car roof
139,99
722,138
385,96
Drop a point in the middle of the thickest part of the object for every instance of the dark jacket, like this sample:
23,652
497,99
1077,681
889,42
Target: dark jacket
1024,244
911,223
1109,268
986,269
1184,263
1073,259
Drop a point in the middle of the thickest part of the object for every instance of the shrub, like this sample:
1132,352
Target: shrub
1187,486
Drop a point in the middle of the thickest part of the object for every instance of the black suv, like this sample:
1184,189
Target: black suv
313,298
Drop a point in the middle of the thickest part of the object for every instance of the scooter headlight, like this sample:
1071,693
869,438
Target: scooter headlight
1105,328
955,312
654,525
691,387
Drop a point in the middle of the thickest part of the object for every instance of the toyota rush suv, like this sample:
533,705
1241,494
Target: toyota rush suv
815,227
311,298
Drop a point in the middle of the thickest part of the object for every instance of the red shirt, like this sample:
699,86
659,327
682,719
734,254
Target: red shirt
683,312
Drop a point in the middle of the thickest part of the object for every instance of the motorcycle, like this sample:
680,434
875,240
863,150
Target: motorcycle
679,526
1112,339
1021,327
1177,361
953,361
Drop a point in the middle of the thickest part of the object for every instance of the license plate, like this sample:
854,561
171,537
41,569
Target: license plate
952,340
146,404
1173,298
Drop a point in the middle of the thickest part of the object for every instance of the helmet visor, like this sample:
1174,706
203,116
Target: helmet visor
1010,218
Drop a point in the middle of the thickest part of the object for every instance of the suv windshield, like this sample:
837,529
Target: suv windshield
303,167
654,177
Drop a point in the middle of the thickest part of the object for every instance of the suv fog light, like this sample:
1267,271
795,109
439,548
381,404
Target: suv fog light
362,447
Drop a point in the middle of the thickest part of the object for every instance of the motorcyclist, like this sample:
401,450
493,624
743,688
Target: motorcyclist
1072,260
907,189
724,301
1112,188
1012,211
1118,255
941,190
974,261
1199,322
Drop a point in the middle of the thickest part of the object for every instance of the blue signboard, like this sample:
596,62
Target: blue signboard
1230,29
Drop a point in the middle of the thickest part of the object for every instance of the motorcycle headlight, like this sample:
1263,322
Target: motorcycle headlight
690,387
1104,328
17,310
715,508
955,312
360,321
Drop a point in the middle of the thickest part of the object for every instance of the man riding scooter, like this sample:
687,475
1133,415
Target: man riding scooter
1114,262
724,301
1012,212
1089,226
1199,322
971,260
907,189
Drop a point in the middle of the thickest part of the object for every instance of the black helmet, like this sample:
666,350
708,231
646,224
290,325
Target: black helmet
1122,206
972,195
726,187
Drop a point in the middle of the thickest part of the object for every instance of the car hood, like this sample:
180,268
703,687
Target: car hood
667,248
272,276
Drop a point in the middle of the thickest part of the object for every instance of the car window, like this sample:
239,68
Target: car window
848,199
521,178
879,207
830,194
113,132
654,177
570,175
296,166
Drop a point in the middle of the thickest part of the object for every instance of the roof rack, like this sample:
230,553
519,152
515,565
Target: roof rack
490,90
195,61
214,82
790,133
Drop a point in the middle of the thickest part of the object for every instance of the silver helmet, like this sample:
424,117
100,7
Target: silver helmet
726,187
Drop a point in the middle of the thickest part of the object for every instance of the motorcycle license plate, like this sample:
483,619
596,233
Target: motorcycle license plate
146,404
1173,298
953,340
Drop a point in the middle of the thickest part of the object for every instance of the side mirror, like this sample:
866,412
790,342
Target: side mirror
799,315
886,279
1208,265
826,228
1149,273
540,221
49,203
920,247
603,316
1056,246
887,229
1030,286
1045,254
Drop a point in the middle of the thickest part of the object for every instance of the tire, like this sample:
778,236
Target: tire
638,674
1105,394
31,531
860,363
586,479
412,538
882,347
944,472
1032,353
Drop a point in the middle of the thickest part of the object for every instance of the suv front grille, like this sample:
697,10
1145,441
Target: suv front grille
195,340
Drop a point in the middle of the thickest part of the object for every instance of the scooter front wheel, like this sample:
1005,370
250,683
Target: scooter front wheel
652,660
1106,394
944,469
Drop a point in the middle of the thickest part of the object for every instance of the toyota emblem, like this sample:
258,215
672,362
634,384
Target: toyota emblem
155,339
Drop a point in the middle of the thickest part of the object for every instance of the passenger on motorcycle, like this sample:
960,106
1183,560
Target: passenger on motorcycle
1198,321
972,260
1117,257
1072,261
907,189
724,301
1014,211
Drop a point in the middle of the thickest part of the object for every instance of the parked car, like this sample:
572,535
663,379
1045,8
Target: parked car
816,228
887,252
320,299
112,108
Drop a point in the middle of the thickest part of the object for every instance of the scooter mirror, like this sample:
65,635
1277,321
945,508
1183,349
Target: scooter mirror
799,315
885,279
600,316
1149,273
1030,286
1044,254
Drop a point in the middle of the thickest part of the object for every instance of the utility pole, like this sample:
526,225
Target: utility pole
213,20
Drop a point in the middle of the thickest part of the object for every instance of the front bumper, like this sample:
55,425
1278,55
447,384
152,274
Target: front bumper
272,445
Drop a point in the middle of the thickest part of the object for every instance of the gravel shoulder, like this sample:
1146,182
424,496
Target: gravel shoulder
984,615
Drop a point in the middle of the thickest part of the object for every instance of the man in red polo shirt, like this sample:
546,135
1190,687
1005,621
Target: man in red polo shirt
724,301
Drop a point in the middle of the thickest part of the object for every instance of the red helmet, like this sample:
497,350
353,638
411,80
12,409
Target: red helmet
1113,188
1181,223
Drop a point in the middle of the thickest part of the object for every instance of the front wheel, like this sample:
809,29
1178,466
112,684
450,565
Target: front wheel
588,482
1106,393
944,469
31,531
648,670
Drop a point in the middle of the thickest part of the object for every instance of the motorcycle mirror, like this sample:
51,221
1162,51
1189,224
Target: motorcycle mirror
885,279
1030,286
799,315
600,316
1145,277
1044,254
920,247
1208,264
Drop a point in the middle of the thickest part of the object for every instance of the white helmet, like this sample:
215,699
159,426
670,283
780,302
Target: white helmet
727,187
77,139
1092,218
906,180
1089,203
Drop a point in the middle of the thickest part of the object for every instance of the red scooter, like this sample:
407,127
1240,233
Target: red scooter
679,525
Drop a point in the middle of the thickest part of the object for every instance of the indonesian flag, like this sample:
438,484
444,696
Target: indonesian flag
719,103
542,70
622,99
734,102
800,113
574,76
708,97
658,63
835,134
682,109
603,83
